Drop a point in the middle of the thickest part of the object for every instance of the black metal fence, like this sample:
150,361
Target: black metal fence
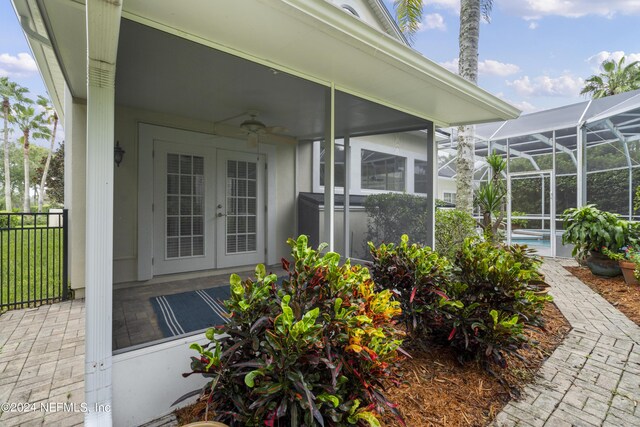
33,259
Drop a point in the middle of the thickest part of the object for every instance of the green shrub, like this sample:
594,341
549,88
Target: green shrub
452,227
479,307
9,221
393,214
314,350
416,275
498,289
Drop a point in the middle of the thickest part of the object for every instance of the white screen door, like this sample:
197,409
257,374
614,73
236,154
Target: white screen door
240,208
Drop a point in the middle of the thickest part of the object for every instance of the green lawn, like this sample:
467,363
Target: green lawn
30,266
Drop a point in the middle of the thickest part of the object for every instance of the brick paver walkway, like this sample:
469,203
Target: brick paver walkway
42,362
593,377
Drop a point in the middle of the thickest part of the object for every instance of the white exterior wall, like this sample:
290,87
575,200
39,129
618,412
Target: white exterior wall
142,394
446,185
363,10
126,187
75,157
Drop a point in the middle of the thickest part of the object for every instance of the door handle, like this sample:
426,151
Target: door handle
220,214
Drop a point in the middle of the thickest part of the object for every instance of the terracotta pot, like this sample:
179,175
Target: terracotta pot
627,268
601,265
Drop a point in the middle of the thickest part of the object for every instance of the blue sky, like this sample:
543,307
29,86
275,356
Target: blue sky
534,53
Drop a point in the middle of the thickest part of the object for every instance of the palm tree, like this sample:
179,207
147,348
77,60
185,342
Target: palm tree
9,91
409,16
51,118
616,78
31,125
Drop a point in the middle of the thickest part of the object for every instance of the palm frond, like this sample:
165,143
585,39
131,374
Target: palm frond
408,15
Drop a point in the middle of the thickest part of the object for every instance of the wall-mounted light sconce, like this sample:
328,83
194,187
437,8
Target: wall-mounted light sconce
118,153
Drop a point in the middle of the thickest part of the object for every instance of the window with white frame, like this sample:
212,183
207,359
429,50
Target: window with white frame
374,167
449,197
382,171
339,165
420,177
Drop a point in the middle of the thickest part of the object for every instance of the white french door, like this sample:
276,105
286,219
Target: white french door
184,222
209,208
240,211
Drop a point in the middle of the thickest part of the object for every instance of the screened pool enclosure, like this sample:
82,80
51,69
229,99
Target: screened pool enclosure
561,158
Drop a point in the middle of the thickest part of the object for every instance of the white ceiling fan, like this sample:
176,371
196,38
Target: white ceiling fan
254,129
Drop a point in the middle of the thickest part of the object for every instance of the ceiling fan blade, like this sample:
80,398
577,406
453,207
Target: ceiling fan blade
285,139
276,129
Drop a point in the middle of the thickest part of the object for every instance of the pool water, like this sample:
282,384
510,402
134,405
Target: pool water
532,242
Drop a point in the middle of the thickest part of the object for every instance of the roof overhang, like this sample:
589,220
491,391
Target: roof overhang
314,40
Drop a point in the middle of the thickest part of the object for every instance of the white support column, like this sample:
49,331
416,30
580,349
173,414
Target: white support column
103,27
432,171
509,225
75,156
347,192
329,167
552,198
581,172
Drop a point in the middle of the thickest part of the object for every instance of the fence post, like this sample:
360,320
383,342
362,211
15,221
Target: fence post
65,254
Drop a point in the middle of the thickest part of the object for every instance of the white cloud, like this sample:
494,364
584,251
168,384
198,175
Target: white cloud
451,65
597,59
565,85
536,9
20,65
533,25
488,67
454,5
524,106
433,21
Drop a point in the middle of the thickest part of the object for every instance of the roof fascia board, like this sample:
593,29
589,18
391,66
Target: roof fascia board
388,20
392,50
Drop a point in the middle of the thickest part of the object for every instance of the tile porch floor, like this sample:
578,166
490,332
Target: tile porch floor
135,321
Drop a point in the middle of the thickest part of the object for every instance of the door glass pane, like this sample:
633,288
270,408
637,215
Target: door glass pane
184,206
242,186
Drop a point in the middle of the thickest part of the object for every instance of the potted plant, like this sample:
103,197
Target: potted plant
629,261
593,231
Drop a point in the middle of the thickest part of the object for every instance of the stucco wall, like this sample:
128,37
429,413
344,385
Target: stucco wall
446,185
126,186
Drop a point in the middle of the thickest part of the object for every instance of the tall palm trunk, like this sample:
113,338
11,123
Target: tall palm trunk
46,165
7,172
470,13
26,207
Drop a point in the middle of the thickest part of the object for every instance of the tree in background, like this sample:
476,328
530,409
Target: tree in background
616,78
409,16
50,118
33,126
9,91
55,177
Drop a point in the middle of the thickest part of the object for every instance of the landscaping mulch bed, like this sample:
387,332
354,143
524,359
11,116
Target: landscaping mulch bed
442,392
439,391
625,298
